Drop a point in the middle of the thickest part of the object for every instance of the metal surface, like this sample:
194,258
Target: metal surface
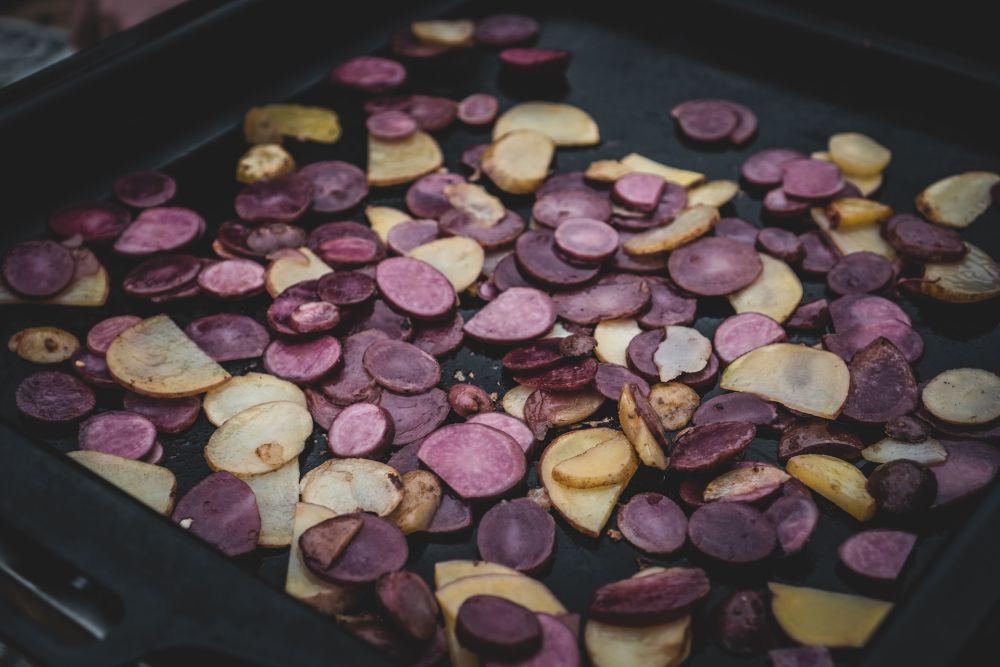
179,106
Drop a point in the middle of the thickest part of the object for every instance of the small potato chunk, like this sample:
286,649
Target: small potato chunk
610,462
681,177
519,161
851,211
152,485
975,278
958,200
514,400
458,258
965,396
638,432
402,160
674,403
353,485
269,124
245,391
689,225
661,645
43,345
613,337
836,480
823,618
447,571
277,494
858,154
564,124
776,292
421,498
292,267
853,238
714,193
263,162
383,218
301,583
259,439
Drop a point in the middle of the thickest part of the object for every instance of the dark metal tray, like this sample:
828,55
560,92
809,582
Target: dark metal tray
139,589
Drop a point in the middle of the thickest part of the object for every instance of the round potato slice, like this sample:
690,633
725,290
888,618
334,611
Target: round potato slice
610,462
613,337
975,278
776,292
966,396
514,400
245,391
259,439
90,290
353,485
293,267
383,218
155,358
714,193
402,160
858,154
152,485
518,162
958,200
565,124
689,225
661,645
458,258
44,345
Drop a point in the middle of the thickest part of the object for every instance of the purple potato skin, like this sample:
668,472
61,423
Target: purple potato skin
740,623
903,487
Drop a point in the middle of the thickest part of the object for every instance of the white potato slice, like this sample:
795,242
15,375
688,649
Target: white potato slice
43,345
269,123
858,154
638,432
476,202
89,291
447,571
606,171
681,177
965,396
776,292
683,350
976,277
740,481
421,498
302,584
868,185
613,337
565,124
519,161
797,376
458,258
610,462
402,160
259,439
245,391
823,618
277,494
558,331
293,266
850,211
928,452
152,485
263,162
835,479
660,645
155,358
353,485
457,32
674,403
958,200
587,510
690,224
383,218
714,193
514,400
853,238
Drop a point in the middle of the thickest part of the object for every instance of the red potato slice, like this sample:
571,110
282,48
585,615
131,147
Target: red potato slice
518,534
505,29
101,334
822,618
965,396
421,500
362,430
975,278
459,259
402,160
259,439
476,461
776,292
517,315
232,279
683,350
156,359
518,160
294,267
277,493
304,361
222,510
126,434
369,74
586,240
44,345
401,367
956,201
246,391
651,599
534,61
158,230
152,485
663,645
353,485
653,523
564,124
302,584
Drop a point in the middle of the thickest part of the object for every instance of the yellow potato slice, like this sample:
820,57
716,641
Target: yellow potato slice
613,337
402,160
714,193
966,396
683,350
776,292
421,498
447,571
518,162
928,452
836,480
610,462
383,218
858,154
264,161
514,400
353,485
638,433
958,200
851,211
245,391
152,485
606,171
456,32
259,439
690,224
269,124
155,358
88,291
293,266
823,618
739,481
853,238
681,177
587,510
797,376
476,202
302,584
277,494
674,403
660,645
43,345
866,185
564,124
458,258
975,278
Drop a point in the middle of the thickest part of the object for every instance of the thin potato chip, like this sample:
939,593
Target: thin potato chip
776,292
259,439
519,161
383,218
263,162
966,396
459,258
681,177
402,160
714,193
689,225
457,32
958,200
44,345
353,485
245,391
269,123
975,278
292,267
858,154
928,452
606,171
565,124
854,238
301,583
514,400
277,493
476,202
152,485
851,211
613,337
674,403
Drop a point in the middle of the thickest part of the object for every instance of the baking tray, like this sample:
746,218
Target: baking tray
140,589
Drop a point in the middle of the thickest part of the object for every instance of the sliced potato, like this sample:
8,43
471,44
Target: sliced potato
958,200
572,407
690,224
606,171
459,258
383,218
823,618
776,292
88,291
928,452
518,162
610,462
683,350
836,480
259,439
558,331
514,400
263,162
421,498
851,211
43,345
858,154
674,403
457,32
302,584
293,266
853,238
268,124
965,396
353,485
741,481
155,358
681,177
797,376
447,571
660,645
564,124
277,493
402,160
476,202
714,193
639,434
866,185
587,510
613,337
245,391
975,278
152,485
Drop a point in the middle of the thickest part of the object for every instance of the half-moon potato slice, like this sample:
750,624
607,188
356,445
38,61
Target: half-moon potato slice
302,584
259,439
402,160
245,391
823,618
958,200
514,400
353,485
293,266
43,345
277,493
976,277
965,396
151,485
610,462
776,292
565,124
519,161
383,218
458,258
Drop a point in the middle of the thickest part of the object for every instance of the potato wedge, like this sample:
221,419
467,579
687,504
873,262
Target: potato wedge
89,291
353,485
270,123
587,510
155,358
928,452
797,376
259,439
447,571
674,403
661,645
245,391
152,485
638,432
43,345
519,161
853,238
476,202
514,400
823,618
402,160
690,224
836,480
681,177
263,162
457,32
383,218
851,211
606,171
421,498
776,292
290,268
610,462
714,193
277,493
975,278
302,584
958,200
613,337
858,154
965,396
564,124
459,258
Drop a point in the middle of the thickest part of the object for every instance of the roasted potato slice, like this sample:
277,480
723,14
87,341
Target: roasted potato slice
263,162
853,238
293,266
43,345
402,160
458,258
613,337
681,177
958,200
851,211
674,403
965,396
776,292
353,485
259,439
823,618
638,430
245,391
836,480
301,583
152,485
976,277
564,124
277,493
858,154
383,218
270,123
610,462
690,224
714,193
421,498
518,162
